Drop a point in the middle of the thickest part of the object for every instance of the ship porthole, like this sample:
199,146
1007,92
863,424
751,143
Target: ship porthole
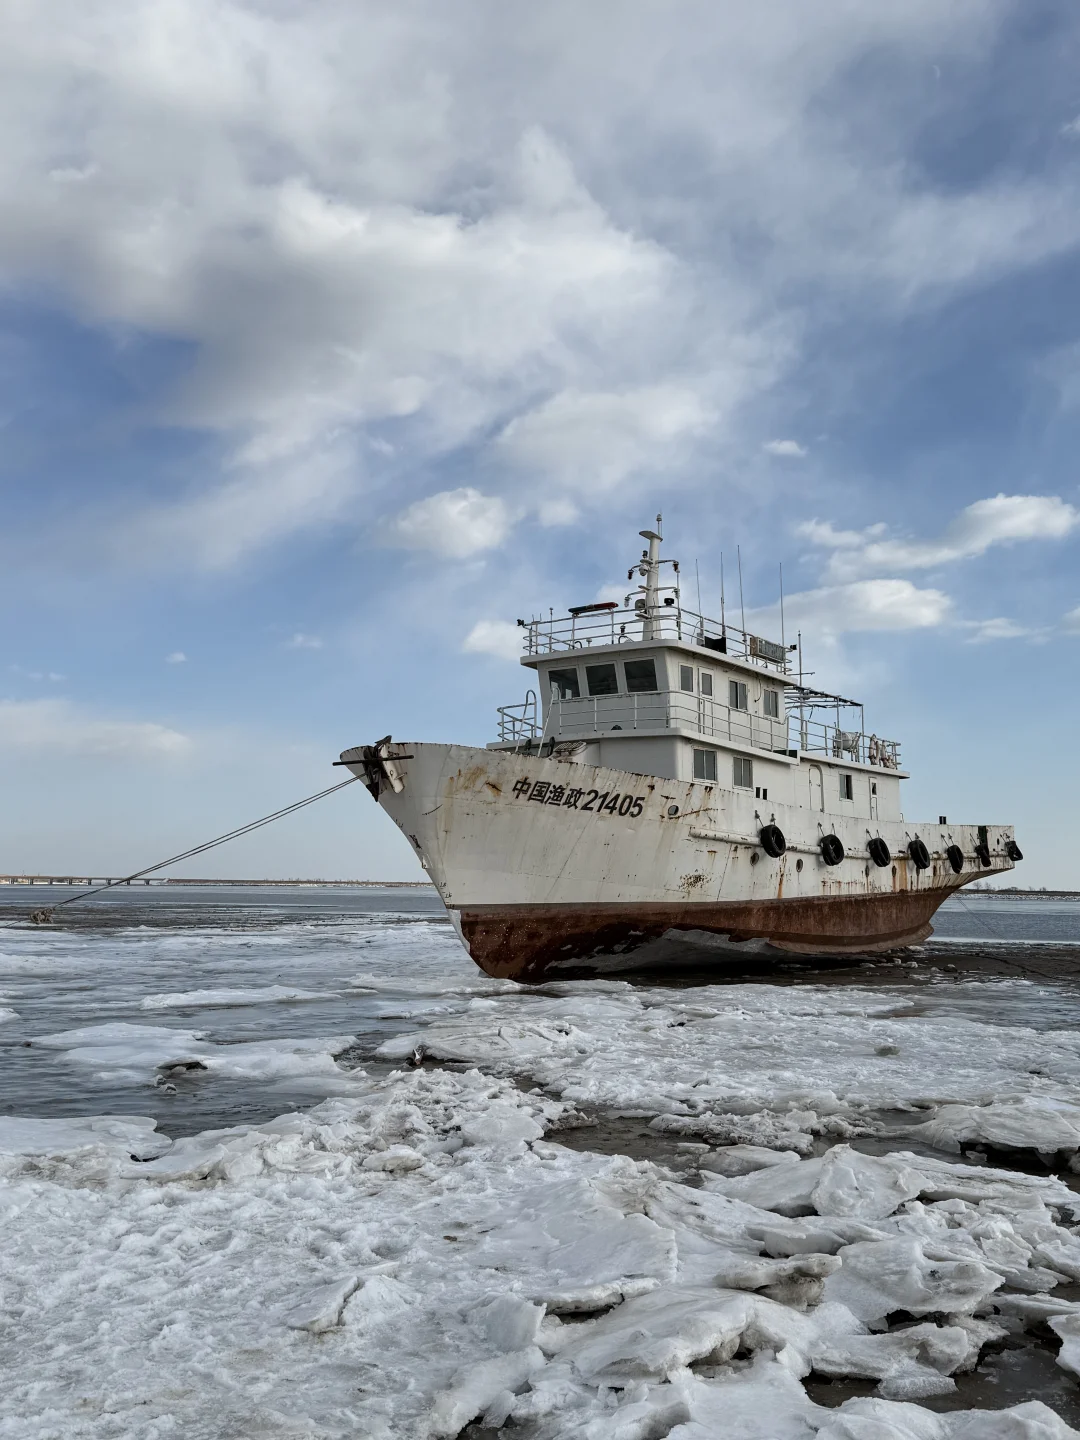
673,810
798,864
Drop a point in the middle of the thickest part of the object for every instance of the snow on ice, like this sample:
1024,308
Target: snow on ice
421,1251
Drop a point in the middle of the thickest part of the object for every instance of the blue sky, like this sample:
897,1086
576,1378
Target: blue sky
334,336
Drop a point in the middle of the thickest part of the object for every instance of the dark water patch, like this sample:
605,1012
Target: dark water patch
1022,1369
632,1136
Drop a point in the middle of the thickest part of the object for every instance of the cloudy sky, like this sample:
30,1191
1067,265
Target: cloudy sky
335,335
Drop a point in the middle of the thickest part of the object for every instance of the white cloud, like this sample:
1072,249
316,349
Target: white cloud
1071,621
495,637
177,657
998,520
997,628
300,641
591,441
789,448
61,726
862,605
454,523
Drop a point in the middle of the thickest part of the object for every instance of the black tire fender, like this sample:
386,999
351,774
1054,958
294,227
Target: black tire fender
982,853
879,852
832,849
772,841
920,856
1013,851
955,857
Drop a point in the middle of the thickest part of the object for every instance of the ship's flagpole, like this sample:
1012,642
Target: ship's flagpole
742,606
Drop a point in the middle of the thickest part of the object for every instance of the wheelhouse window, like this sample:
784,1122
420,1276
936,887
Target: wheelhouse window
602,679
770,704
847,787
704,764
743,772
564,683
686,678
737,695
640,676
706,682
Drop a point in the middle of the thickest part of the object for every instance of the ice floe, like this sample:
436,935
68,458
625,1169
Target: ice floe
416,1256
146,1053
266,995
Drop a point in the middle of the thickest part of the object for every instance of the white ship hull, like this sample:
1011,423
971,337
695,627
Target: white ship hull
551,867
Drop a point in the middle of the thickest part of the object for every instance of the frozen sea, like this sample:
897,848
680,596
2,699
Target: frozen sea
284,1162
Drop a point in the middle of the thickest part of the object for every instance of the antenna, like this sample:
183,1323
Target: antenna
697,577
723,621
783,637
742,607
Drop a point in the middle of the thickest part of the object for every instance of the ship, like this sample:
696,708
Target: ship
671,795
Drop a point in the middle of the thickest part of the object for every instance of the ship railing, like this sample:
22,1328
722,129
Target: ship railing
518,723
595,625
818,737
576,717
651,712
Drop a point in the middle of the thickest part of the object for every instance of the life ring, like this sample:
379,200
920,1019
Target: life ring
982,854
920,856
771,839
832,849
879,852
955,857
1013,851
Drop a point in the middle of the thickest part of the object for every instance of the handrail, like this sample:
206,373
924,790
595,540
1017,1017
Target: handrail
670,622
652,711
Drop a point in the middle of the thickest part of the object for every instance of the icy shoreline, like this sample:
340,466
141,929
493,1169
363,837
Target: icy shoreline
420,1252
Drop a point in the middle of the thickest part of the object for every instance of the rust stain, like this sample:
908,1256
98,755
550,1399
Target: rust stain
495,789
524,942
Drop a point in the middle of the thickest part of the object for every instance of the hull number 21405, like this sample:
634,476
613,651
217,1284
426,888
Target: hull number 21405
608,802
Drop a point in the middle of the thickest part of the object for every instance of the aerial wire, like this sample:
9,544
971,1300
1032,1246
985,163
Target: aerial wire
44,916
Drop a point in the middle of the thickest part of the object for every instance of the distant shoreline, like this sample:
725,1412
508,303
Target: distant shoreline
40,881
995,893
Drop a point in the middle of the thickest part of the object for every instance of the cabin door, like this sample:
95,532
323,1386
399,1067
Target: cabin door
817,788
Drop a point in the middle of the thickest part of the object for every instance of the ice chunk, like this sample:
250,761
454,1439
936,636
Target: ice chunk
811,1235
476,1386
745,1159
120,1135
654,1335
321,1309
509,1322
797,1282
1019,1122
864,1187
1067,1329
785,1189
880,1276
892,1420
140,1052
266,995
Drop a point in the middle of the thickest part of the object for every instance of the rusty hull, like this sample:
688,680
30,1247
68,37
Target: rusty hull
533,943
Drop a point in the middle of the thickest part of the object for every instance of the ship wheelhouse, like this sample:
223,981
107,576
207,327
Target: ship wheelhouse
653,688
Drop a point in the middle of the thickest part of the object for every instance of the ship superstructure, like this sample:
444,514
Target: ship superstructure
669,793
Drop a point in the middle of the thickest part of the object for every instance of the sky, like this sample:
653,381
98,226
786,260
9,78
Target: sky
334,336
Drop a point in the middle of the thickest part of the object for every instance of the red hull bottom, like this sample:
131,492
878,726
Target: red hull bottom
533,943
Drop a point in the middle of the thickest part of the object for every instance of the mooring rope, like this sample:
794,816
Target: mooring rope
44,916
